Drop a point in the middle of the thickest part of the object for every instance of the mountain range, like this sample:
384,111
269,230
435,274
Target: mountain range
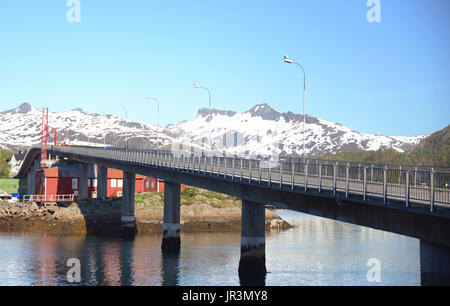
259,131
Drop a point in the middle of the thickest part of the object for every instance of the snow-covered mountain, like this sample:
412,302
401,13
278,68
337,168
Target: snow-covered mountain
259,131
21,127
262,130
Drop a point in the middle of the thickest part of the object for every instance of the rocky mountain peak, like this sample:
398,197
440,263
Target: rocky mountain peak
264,111
24,108
204,112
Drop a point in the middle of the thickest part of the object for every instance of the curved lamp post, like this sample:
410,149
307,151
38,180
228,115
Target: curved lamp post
76,136
157,103
289,61
126,125
196,85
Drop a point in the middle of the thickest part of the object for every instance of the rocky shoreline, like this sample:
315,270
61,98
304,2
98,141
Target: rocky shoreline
198,213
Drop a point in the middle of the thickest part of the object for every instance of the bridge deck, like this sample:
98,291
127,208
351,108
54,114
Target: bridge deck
412,186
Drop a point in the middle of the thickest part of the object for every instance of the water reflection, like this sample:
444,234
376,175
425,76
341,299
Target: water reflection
315,252
147,261
170,268
45,262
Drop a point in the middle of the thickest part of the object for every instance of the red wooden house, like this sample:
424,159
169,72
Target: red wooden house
65,180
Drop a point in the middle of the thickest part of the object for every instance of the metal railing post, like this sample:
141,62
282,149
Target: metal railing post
250,171
359,171
432,189
407,191
385,184
320,178
212,157
218,166
259,171
226,166
270,173
306,174
415,176
335,178
371,174
242,169
233,168
347,179
292,175
365,184
281,174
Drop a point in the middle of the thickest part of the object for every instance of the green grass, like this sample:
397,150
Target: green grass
189,192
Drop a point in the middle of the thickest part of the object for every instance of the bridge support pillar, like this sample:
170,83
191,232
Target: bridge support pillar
31,182
434,264
252,266
128,218
31,177
171,228
102,182
84,175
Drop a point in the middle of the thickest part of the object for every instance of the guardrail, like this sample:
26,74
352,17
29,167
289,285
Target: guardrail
48,199
406,184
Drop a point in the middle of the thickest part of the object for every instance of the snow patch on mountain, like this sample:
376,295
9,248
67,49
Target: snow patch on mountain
259,131
21,127
263,129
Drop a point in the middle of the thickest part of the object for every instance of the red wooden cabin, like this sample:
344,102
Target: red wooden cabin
64,180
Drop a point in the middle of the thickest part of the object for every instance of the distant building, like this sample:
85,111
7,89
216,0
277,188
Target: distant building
65,180
16,161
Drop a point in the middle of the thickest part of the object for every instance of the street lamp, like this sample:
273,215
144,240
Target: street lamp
76,136
289,61
104,140
157,102
126,125
196,85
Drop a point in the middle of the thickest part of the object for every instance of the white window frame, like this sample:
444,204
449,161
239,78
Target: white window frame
74,184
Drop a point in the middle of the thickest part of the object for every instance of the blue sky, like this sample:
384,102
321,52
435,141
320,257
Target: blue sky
390,78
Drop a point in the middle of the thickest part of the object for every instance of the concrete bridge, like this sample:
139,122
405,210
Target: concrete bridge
406,200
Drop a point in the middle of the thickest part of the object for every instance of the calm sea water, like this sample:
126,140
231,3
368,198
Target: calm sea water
316,252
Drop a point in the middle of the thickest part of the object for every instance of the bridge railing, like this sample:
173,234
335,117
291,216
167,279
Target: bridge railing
401,183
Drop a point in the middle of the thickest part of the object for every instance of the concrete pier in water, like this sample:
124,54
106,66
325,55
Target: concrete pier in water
128,217
434,264
102,182
171,228
252,266
84,175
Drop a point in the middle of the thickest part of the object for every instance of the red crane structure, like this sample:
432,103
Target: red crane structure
45,134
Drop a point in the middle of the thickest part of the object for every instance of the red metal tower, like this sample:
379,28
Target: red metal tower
45,135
